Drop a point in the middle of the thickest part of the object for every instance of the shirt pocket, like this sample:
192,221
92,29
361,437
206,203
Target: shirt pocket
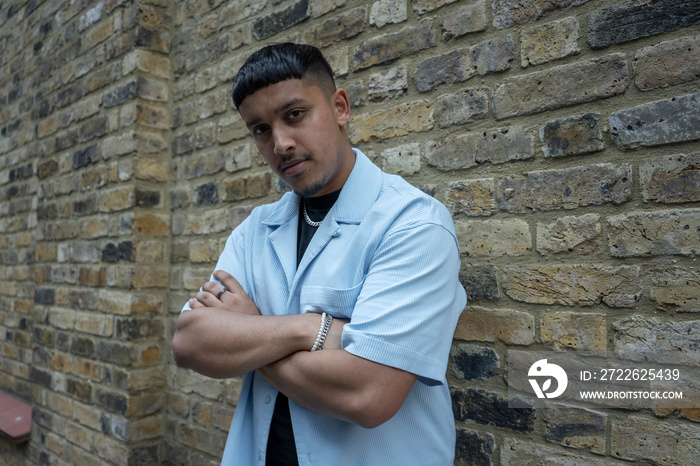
338,302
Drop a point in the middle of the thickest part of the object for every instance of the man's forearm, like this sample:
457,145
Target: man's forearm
219,343
336,383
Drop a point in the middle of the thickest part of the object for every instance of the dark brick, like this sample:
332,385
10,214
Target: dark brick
662,122
206,194
579,428
112,402
62,341
68,139
480,281
81,346
21,172
119,94
571,136
248,188
490,409
147,198
388,47
635,19
43,336
114,352
47,169
40,377
183,144
42,110
11,127
484,58
473,448
69,95
46,212
124,251
158,41
276,22
335,29
178,199
85,206
84,157
45,296
471,362
135,329
80,390
94,128
507,13
144,454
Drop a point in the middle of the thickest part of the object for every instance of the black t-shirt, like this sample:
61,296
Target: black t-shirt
281,449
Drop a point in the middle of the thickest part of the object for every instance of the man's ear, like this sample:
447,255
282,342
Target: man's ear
341,105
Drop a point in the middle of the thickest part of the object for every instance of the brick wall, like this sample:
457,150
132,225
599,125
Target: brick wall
563,136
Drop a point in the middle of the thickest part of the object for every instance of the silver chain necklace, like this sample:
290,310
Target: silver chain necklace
310,222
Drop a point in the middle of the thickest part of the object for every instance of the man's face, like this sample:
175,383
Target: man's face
298,129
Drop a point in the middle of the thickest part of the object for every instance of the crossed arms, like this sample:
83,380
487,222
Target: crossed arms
229,337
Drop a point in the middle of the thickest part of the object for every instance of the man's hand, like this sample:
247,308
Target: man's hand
234,299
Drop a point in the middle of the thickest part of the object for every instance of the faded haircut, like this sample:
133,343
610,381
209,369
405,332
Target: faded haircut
280,62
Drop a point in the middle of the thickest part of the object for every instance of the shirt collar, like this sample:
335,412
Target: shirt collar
357,196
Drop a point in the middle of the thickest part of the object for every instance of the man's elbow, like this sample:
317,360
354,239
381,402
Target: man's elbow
371,413
180,353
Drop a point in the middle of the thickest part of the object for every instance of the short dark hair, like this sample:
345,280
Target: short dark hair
280,62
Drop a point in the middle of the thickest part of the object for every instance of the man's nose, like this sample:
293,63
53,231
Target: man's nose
284,142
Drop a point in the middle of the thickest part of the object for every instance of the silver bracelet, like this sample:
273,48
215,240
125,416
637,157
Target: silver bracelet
323,330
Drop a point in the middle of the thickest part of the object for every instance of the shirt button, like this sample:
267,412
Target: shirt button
268,398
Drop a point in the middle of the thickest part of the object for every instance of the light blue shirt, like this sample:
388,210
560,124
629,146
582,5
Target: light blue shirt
386,257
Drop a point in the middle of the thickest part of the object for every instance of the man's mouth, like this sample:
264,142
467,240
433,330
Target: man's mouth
293,166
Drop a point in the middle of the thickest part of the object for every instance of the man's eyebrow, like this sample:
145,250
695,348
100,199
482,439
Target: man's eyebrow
281,108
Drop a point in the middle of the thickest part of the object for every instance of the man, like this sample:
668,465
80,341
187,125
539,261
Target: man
338,302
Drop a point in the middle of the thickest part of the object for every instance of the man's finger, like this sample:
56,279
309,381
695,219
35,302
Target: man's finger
228,281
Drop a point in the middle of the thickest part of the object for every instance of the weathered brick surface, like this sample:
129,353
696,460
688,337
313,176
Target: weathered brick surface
385,12
655,123
473,447
550,89
393,122
496,146
634,19
518,452
472,197
581,235
672,342
506,325
667,63
676,289
494,238
559,284
551,41
471,362
671,179
638,438
490,409
671,232
571,136
389,47
585,332
465,20
568,188
576,428
506,15
483,58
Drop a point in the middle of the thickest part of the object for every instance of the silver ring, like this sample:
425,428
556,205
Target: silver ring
223,290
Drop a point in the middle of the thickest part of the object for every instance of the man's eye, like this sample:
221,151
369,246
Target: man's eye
294,114
259,130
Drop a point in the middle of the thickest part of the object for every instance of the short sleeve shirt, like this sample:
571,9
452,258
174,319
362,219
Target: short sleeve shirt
387,258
